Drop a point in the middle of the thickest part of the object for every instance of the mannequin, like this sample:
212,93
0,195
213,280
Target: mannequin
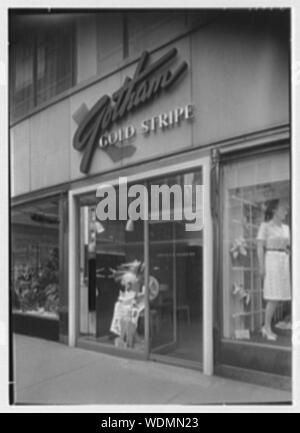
131,301
273,242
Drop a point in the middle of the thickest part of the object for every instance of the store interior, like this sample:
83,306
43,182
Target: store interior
111,252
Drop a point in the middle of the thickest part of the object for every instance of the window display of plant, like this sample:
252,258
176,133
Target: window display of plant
52,299
38,290
239,248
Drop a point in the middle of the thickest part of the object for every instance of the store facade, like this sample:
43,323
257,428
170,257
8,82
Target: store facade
192,99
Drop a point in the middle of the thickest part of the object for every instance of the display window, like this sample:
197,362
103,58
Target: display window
256,285
35,277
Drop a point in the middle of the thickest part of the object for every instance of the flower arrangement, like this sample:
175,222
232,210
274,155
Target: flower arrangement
241,293
239,248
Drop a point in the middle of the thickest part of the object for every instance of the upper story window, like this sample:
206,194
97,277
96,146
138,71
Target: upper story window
21,94
41,66
54,72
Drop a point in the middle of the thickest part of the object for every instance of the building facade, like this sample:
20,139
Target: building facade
159,98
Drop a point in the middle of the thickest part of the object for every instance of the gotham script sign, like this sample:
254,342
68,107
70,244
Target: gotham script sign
145,84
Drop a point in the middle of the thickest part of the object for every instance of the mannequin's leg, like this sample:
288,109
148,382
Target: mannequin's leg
270,311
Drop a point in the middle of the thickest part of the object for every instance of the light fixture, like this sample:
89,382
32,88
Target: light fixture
99,227
40,217
130,226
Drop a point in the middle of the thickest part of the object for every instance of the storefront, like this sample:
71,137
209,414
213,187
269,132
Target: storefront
208,109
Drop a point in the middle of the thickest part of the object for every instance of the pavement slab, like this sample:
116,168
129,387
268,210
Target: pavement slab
50,373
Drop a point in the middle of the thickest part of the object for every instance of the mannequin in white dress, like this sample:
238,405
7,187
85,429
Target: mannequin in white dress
273,242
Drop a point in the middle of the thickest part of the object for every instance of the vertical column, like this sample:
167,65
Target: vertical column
73,283
146,277
208,361
83,288
63,268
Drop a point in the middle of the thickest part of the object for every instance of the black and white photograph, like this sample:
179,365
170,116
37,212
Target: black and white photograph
151,208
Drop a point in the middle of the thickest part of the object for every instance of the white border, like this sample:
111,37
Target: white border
5,4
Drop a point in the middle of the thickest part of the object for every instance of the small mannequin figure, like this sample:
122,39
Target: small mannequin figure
131,302
273,243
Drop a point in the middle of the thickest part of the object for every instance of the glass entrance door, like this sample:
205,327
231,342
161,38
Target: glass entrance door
176,314
176,262
163,326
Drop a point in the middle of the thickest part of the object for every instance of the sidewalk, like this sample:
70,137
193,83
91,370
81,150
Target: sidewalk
52,373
